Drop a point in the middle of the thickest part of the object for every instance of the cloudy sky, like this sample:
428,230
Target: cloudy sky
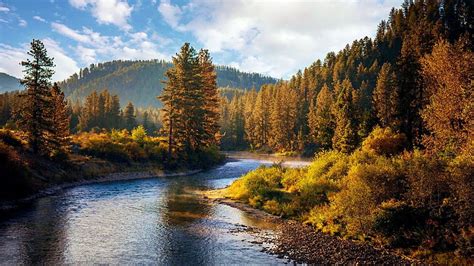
272,37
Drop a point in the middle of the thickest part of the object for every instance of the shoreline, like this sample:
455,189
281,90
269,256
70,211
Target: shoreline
101,178
302,244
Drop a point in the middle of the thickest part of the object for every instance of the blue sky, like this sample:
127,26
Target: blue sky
270,37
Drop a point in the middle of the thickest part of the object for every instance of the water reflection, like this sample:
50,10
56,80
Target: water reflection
142,221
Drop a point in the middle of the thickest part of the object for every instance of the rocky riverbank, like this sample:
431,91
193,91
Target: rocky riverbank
302,244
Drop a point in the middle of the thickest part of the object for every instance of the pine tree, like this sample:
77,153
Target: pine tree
129,116
283,118
249,100
60,121
184,103
261,116
113,115
321,119
35,113
345,134
211,97
386,97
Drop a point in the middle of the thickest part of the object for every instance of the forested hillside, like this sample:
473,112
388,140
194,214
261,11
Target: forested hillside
9,83
335,103
135,81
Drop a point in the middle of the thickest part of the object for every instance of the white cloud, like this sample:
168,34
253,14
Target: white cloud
93,47
276,37
68,32
115,12
170,13
87,55
39,18
65,65
12,56
22,23
4,9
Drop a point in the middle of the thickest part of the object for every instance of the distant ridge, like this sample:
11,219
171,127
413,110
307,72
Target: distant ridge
141,81
9,83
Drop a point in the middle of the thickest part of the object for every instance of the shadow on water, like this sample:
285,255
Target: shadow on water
157,220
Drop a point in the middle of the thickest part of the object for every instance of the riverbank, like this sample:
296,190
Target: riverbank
302,244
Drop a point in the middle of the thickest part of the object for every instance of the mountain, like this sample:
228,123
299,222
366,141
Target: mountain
141,81
9,83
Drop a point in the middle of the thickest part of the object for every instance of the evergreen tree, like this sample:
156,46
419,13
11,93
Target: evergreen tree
211,98
321,120
185,97
386,98
60,121
345,134
129,116
283,118
36,110
261,117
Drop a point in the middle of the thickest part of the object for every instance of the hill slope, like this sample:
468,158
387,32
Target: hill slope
9,83
141,81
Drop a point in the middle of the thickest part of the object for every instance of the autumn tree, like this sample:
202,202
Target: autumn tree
60,121
448,73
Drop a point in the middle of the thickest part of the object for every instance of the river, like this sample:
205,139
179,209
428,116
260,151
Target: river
151,221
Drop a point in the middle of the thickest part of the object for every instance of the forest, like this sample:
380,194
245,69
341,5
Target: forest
391,122
388,121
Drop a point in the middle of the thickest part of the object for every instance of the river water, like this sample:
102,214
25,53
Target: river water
151,221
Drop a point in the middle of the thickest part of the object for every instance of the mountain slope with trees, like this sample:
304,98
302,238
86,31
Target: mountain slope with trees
135,81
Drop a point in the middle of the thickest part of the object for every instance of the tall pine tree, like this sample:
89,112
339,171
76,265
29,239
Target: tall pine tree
35,115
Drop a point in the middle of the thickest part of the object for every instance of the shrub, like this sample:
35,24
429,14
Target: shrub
290,178
384,141
272,206
263,182
325,161
139,134
396,221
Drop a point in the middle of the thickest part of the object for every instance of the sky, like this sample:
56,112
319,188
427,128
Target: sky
272,37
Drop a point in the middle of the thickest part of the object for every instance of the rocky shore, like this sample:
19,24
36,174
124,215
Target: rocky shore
300,243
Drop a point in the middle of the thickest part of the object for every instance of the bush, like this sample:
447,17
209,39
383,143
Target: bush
139,134
396,221
383,141
330,164
263,182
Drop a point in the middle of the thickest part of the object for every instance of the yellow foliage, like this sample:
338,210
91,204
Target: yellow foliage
384,141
